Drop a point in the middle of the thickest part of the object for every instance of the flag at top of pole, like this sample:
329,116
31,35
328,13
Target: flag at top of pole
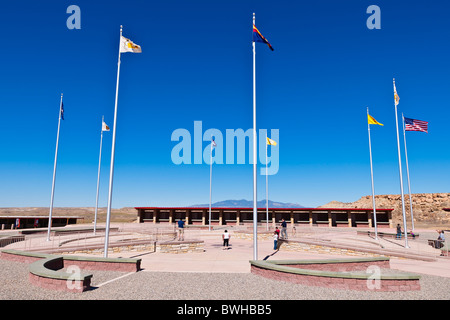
61,116
213,144
62,110
415,125
396,102
396,97
258,37
371,120
271,142
105,127
125,45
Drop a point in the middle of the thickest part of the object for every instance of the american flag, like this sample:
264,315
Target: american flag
416,125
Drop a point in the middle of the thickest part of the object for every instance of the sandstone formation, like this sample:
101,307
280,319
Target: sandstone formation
427,207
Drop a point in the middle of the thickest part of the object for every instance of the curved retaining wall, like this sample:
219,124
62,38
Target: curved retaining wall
46,269
45,273
350,274
171,246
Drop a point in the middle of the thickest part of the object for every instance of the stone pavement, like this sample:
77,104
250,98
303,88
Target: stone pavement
236,258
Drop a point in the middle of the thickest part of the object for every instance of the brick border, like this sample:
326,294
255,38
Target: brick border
46,273
59,284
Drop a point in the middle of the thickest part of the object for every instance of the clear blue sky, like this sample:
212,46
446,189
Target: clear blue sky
196,65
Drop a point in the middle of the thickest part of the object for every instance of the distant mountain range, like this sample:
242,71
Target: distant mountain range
249,204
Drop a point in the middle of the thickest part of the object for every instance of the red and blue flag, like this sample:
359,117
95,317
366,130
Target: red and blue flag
258,37
416,125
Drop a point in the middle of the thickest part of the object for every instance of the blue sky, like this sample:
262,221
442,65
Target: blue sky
196,65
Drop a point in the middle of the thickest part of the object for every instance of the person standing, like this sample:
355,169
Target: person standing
440,240
226,239
441,235
275,241
399,231
283,229
180,230
277,230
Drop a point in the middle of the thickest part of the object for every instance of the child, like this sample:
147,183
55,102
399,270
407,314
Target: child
275,240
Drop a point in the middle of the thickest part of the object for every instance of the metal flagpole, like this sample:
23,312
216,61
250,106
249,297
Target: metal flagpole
255,209
400,171
371,175
111,172
407,172
210,184
54,172
267,191
98,178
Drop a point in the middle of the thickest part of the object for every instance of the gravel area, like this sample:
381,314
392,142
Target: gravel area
145,285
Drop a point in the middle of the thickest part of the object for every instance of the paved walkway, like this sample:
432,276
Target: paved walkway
236,258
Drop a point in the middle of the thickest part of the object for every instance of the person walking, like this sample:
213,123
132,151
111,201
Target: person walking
226,240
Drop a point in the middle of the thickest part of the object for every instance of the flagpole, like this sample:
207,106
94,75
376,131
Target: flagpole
255,209
54,172
98,178
371,175
407,172
111,172
400,174
210,184
267,191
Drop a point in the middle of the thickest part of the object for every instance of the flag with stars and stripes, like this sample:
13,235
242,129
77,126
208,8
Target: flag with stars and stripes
416,125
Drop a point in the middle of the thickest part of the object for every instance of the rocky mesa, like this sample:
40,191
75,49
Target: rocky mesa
428,208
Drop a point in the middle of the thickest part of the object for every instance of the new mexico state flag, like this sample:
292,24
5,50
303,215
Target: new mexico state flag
371,120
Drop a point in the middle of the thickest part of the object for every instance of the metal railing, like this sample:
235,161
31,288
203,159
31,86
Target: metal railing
86,239
5,241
